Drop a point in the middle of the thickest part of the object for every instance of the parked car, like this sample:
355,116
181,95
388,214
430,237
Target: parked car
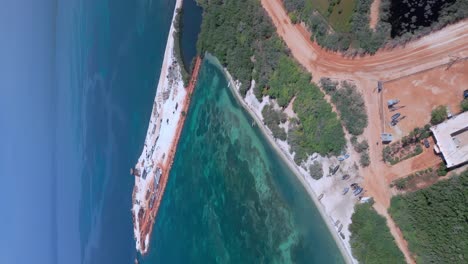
426,143
465,94
396,116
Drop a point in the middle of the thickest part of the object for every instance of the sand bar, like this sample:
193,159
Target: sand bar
167,118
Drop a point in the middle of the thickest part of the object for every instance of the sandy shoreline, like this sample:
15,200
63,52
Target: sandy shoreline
279,146
165,125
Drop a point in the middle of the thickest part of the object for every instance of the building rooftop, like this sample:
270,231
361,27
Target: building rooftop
452,139
386,137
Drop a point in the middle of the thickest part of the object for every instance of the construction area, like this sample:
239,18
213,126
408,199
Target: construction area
420,93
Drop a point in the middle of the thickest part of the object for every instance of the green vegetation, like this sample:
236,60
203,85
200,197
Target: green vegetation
359,147
411,181
316,170
241,35
434,221
464,105
408,147
438,115
371,240
401,184
341,14
328,85
349,103
343,25
416,135
395,152
337,12
273,118
236,32
287,80
442,170
349,21
364,160
318,129
351,106
363,149
178,50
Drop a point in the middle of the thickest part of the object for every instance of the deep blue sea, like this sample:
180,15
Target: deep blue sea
78,80
77,83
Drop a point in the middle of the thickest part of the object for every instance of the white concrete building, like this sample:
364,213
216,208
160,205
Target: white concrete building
452,139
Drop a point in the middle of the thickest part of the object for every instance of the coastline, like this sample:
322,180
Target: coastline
279,148
168,115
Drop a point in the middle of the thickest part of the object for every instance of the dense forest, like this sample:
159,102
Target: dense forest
434,221
241,35
399,22
371,240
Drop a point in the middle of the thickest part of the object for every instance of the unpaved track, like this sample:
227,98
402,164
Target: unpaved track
426,53
374,13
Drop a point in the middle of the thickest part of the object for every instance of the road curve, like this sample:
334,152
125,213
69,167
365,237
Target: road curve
427,52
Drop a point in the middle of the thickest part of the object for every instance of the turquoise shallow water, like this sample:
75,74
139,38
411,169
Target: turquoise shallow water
230,198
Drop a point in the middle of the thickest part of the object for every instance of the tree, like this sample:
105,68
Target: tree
442,170
434,221
364,160
371,240
316,170
438,115
464,105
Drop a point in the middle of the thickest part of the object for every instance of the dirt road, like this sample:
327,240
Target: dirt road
422,54
374,13
426,53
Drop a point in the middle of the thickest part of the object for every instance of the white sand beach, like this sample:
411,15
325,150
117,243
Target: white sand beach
161,138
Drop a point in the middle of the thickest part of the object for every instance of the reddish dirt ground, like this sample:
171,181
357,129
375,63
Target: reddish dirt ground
424,160
374,13
428,52
422,92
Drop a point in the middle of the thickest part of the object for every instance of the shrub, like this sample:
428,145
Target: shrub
273,119
316,170
328,85
442,170
418,150
294,18
364,160
362,146
400,184
464,105
434,221
371,240
438,115
350,104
